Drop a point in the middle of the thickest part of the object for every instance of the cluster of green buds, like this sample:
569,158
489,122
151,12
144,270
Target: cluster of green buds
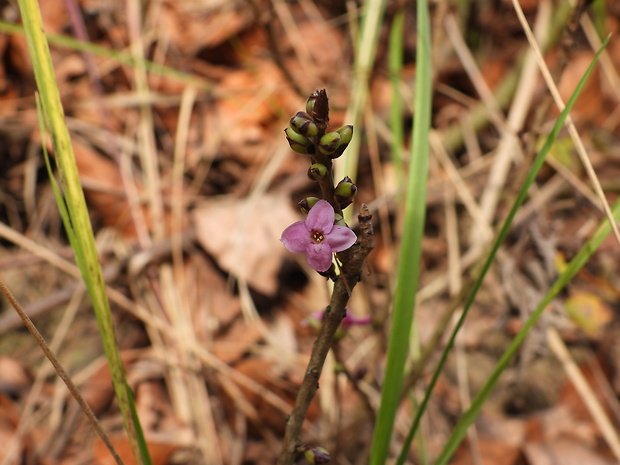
303,137
307,134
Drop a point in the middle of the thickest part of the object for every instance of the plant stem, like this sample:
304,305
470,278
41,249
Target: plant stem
352,261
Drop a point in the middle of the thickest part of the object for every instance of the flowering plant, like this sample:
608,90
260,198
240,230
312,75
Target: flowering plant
321,235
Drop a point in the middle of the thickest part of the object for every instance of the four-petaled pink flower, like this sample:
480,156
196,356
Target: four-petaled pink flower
318,237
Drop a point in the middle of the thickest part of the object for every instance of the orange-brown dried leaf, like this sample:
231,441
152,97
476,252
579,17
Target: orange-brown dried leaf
242,235
271,376
194,26
104,188
237,341
590,106
492,452
15,377
160,452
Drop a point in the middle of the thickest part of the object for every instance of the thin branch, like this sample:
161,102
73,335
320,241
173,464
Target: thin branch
61,372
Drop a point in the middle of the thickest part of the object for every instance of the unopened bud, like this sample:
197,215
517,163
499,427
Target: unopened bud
329,143
343,180
317,105
317,171
339,220
306,204
346,135
344,193
311,101
298,142
302,124
317,455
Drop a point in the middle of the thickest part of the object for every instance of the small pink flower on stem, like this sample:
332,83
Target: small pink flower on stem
318,237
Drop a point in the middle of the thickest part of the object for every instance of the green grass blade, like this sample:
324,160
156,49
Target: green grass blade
571,270
477,403
411,250
395,61
73,205
142,445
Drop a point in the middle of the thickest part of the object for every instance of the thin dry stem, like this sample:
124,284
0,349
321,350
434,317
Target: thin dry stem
572,130
61,372
585,391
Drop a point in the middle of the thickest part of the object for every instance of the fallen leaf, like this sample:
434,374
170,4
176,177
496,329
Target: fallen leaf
242,235
561,451
589,312
160,452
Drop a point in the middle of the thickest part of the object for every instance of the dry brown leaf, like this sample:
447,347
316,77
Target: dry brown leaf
194,26
9,419
160,452
589,312
242,235
492,452
590,104
15,377
246,121
214,305
237,341
268,374
104,188
562,451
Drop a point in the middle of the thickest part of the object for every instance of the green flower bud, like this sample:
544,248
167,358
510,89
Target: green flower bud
329,143
344,192
346,134
298,142
339,220
317,106
302,124
317,172
306,204
317,455
311,101
345,179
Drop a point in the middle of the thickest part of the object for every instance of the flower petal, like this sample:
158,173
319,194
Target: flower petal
319,256
321,217
296,237
340,238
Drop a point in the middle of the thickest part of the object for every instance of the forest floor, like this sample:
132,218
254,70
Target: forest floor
190,182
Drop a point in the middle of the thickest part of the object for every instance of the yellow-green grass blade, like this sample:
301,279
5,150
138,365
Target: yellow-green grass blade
72,203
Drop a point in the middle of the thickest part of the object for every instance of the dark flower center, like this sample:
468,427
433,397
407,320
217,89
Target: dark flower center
317,236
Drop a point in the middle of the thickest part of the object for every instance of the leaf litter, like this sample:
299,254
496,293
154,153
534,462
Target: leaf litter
212,384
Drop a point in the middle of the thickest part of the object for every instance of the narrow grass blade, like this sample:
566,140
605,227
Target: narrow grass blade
397,128
574,266
73,205
571,270
411,249
480,398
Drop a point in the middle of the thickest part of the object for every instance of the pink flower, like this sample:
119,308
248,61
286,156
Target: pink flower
318,237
